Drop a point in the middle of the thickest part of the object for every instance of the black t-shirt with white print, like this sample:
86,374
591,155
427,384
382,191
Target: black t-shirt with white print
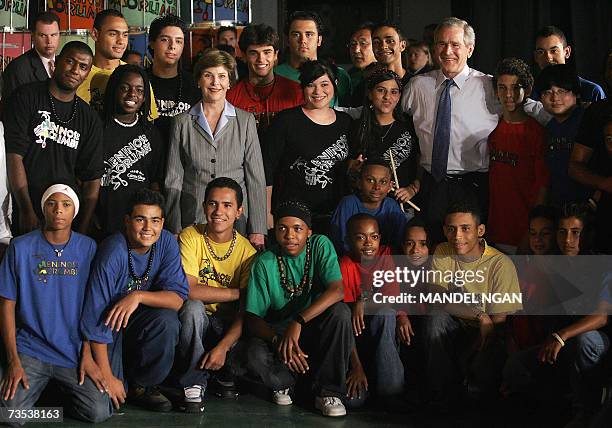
305,160
173,96
54,150
132,160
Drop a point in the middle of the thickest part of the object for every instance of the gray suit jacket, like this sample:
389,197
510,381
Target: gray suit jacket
195,159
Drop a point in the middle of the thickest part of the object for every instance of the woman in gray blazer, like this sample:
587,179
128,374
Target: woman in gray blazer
215,139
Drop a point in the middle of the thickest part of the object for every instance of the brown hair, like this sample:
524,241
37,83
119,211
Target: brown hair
214,58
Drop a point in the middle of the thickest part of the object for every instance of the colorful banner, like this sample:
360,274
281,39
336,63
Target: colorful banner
13,13
140,13
224,10
12,45
243,12
82,13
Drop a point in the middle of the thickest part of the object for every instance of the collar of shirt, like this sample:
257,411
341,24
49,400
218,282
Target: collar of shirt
45,62
198,111
459,79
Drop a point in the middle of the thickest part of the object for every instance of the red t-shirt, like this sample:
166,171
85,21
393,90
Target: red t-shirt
266,101
517,172
357,276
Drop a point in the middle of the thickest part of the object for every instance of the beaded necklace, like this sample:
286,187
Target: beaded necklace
139,282
293,290
74,106
229,251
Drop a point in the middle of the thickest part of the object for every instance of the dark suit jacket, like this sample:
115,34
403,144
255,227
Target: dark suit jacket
24,69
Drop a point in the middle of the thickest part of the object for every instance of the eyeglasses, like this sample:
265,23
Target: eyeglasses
559,92
362,44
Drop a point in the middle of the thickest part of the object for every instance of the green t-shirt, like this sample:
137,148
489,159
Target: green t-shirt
344,82
265,296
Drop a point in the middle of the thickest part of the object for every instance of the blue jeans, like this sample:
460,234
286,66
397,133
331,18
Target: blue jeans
581,355
87,403
145,348
200,333
379,351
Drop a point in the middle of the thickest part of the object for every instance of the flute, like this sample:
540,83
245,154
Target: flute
393,169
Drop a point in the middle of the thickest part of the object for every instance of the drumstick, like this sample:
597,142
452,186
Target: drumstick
397,182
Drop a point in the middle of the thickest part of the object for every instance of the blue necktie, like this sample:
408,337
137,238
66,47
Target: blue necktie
441,143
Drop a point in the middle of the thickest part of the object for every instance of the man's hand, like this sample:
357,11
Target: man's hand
356,382
549,350
404,194
215,359
357,317
289,349
28,221
486,330
120,313
12,377
116,391
404,329
88,367
258,240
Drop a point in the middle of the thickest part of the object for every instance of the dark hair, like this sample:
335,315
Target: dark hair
312,70
110,102
162,22
366,138
225,183
514,67
45,18
374,160
581,212
76,45
418,221
465,207
226,48
258,34
551,30
145,196
305,15
225,28
103,14
352,221
366,25
544,211
561,75
129,52
390,25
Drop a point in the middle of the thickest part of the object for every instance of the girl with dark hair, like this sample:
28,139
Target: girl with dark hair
305,148
382,130
132,146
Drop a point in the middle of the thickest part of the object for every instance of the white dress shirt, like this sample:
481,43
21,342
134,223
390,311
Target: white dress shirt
474,114
5,197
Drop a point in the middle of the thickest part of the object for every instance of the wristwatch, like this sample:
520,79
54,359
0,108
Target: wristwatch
299,319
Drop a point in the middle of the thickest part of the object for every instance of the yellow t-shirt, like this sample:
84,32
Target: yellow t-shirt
93,88
232,272
493,274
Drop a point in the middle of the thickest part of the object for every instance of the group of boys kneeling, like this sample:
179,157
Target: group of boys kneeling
145,310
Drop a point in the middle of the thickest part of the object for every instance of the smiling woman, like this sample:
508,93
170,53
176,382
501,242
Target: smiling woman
214,139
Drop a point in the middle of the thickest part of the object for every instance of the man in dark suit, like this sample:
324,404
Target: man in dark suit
38,63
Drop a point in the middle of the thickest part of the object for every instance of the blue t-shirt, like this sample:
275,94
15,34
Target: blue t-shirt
391,221
110,280
589,92
49,293
560,138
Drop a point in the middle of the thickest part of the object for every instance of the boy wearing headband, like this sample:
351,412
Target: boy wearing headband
42,342
217,261
296,314
136,287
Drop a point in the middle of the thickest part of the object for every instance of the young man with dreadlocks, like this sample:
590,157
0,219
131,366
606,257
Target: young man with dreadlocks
132,146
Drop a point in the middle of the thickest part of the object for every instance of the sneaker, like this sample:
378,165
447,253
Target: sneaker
330,406
149,398
192,400
223,389
282,397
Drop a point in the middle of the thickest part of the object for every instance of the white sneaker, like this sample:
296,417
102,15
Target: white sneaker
192,400
281,397
330,406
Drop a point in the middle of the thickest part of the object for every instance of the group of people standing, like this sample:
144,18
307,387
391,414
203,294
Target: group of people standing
208,207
